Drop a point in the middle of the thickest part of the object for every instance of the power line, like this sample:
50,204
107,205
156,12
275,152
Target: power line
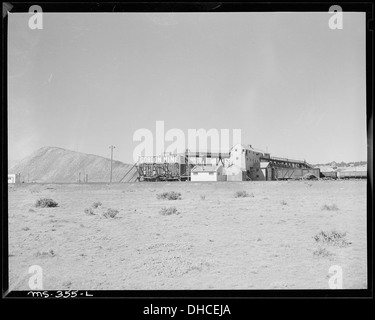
111,147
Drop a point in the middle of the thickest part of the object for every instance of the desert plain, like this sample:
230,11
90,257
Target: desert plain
214,240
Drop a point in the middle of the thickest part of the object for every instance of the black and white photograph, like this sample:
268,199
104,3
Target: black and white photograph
202,149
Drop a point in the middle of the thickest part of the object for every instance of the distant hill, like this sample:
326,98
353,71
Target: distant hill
342,164
12,162
52,164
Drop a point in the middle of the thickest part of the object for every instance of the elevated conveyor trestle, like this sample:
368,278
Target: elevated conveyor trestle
286,163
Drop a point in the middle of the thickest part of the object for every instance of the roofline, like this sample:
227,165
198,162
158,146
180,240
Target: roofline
249,147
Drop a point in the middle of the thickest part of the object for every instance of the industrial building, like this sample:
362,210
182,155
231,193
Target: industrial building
343,173
241,163
244,163
248,163
352,174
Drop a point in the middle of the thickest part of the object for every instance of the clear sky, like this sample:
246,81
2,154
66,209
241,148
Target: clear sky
87,81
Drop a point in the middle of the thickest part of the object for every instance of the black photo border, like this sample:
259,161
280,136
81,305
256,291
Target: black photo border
192,295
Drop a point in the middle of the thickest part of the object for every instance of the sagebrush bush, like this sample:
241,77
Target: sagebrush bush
332,207
110,213
89,211
168,211
203,197
46,203
169,195
334,238
243,194
322,252
44,254
96,204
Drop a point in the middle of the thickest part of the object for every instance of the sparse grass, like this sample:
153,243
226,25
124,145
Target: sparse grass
168,211
96,204
332,238
45,203
45,254
332,207
67,284
110,213
89,211
322,252
243,194
169,195
197,267
203,197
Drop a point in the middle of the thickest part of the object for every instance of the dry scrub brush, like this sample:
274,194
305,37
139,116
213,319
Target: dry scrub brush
169,195
110,213
332,207
89,211
334,238
96,204
243,194
322,252
46,203
168,211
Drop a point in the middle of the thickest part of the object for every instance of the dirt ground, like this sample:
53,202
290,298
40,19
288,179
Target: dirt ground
216,241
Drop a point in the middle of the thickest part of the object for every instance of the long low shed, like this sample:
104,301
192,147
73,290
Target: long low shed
352,174
295,173
330,174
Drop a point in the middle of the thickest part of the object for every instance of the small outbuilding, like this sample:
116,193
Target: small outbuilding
14,178
207,173
328,172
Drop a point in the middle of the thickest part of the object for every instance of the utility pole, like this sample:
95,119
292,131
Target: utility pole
111,147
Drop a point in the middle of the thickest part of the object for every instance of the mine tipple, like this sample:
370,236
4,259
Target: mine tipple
241,163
